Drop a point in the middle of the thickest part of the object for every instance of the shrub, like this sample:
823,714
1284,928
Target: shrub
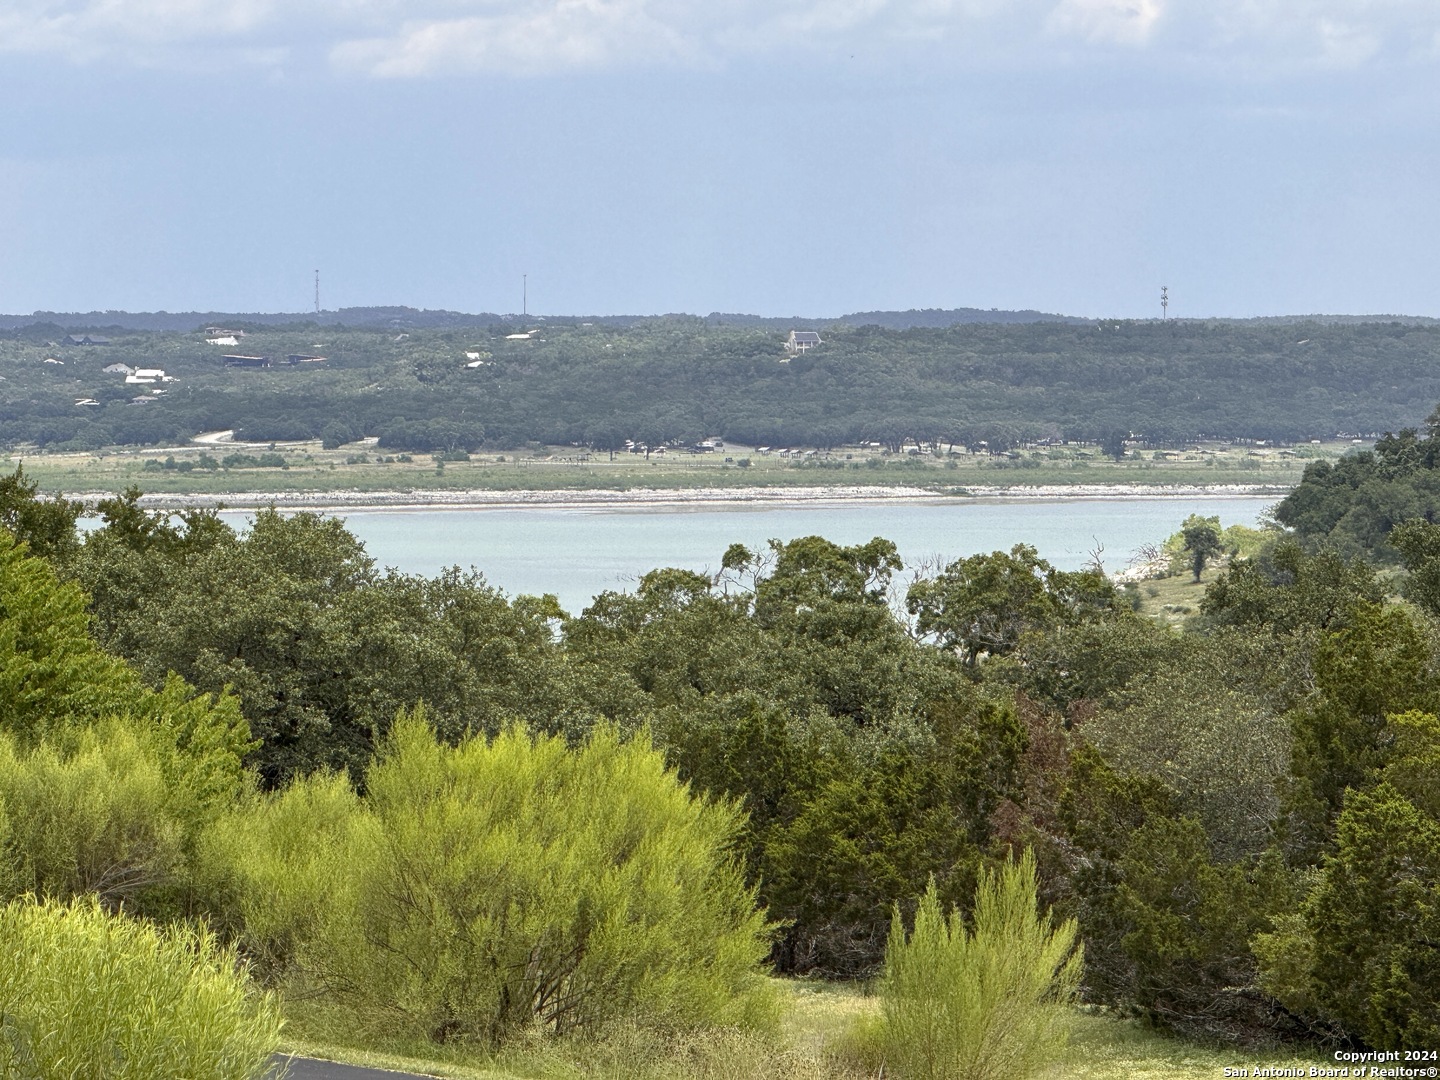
83,993
992,1001
502,885
111,809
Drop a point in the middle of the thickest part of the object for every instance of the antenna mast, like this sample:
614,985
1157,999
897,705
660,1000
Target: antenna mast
317,292
1164,301
524,295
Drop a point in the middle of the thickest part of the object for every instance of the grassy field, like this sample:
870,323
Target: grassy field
1172,600
358,467
815,1042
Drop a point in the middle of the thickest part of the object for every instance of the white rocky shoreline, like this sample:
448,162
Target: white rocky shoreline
680,498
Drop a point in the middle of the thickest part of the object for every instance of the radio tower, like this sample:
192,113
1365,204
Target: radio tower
1164,302
317,292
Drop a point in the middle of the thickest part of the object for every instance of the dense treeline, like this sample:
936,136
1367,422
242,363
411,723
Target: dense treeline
683,379
1242,818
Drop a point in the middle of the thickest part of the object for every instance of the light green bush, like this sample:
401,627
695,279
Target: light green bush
104,997
991,1001
112,808
500,885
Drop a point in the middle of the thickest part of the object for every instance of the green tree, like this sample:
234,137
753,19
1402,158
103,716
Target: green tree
1379,665
984,604
45,526
1358,959
1201,540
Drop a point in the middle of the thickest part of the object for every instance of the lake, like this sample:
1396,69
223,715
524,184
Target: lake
576,552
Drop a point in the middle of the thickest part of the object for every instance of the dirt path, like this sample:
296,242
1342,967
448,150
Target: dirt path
301,1068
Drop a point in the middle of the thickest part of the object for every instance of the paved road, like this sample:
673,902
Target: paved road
314,1069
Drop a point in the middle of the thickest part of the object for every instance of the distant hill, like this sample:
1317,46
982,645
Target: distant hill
424,319
408,318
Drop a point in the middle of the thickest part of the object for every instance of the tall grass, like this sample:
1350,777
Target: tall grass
105,997
990,1001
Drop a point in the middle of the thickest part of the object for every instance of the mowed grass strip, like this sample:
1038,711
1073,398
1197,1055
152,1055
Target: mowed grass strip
816,1042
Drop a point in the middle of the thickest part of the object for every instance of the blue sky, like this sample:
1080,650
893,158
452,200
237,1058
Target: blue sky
784,157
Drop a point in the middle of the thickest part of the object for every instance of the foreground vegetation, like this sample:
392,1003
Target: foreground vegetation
443,822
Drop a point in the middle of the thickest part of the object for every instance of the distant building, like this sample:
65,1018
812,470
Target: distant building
229,340
237,360
801,340
88,339
304,358
118,369
52,360
87,401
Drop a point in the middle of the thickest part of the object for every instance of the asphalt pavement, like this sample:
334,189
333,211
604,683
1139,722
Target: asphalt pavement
300,1068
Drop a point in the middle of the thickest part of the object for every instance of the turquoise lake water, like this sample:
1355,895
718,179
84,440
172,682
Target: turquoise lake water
577,552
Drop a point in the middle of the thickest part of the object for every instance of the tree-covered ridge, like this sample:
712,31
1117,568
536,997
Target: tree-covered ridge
683,379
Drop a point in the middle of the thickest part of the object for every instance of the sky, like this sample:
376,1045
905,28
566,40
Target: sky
775,157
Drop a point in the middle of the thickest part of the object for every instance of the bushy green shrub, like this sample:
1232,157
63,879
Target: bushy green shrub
988,1001
86,994
499,885
114,808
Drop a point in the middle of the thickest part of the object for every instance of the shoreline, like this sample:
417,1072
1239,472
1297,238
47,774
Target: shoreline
682,498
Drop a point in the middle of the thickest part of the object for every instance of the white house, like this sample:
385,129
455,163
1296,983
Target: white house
228,339
801,340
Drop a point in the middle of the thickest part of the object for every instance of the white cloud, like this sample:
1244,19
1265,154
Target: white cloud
414,38
553,36
1117,22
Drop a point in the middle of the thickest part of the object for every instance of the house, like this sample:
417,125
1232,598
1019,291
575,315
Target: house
118,369
88,339
229,340
52,360
521,337
304,358
238,360
801,340
87,401
220,331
